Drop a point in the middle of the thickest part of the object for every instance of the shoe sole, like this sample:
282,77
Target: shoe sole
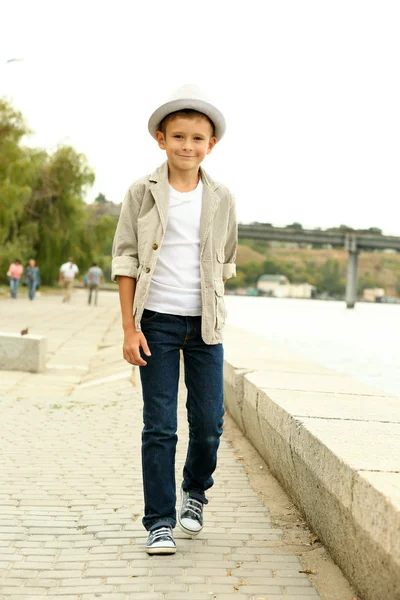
160,550
188,531
182,527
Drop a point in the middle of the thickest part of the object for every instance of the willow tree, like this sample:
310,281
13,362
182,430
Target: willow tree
15,190
42,210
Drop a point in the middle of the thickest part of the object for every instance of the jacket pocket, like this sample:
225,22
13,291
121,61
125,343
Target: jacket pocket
219,304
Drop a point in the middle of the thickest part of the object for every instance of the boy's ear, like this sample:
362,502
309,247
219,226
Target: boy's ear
160,139
211,144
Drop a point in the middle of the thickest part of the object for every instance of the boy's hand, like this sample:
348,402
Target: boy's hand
133,340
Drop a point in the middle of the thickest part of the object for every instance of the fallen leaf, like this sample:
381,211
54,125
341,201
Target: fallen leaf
229,571
315,539
308,571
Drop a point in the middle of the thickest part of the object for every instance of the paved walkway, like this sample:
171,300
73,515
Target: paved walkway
70,481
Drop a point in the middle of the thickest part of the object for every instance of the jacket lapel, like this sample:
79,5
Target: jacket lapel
160,191
210,201
210,204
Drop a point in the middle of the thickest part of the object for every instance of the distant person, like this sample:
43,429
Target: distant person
32,278
14,272
95,277
66,278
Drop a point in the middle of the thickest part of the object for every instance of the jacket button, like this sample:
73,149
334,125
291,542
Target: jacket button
155,246
148,269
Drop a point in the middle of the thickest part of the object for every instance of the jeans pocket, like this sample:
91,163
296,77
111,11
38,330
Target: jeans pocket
149,316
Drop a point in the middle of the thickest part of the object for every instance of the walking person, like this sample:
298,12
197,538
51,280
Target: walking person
32,278
14,272
67,277
174,247
95,277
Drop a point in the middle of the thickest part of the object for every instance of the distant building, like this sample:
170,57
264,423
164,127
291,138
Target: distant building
302,290
373,294
273,285
279,286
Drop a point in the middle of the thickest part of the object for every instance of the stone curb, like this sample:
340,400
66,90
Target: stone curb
334,444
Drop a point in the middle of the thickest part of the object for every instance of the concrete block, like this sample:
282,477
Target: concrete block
360,445
324,405
372,489
22,352
233,392
309,382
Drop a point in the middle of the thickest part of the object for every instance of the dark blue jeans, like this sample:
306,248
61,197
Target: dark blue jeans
166,335
32,285
14,283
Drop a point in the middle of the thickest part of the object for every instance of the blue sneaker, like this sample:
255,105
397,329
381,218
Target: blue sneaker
190,515
161,541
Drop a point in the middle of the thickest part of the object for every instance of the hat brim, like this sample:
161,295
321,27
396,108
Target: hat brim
193,103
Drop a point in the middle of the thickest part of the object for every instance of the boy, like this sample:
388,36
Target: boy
174,247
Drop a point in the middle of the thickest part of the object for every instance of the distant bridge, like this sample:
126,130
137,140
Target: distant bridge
352,241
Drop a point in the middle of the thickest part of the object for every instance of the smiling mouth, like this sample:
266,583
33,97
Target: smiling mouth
186,156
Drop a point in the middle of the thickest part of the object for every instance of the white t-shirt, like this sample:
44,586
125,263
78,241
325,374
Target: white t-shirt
69,270
175,287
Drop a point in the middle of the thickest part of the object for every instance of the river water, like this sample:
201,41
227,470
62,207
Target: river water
363,343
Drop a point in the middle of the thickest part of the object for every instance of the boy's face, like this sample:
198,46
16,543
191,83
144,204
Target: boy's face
187,141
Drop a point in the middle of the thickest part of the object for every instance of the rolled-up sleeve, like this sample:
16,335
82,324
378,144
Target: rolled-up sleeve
229,267
125,249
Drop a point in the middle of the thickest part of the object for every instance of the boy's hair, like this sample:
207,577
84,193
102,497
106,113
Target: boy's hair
189,113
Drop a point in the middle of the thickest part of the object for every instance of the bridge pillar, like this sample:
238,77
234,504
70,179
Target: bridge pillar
352,264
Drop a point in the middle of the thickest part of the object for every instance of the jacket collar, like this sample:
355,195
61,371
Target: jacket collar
160,190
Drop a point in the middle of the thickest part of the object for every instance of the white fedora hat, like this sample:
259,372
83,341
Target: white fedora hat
188,96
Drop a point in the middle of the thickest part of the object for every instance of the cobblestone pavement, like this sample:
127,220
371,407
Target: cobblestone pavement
70,481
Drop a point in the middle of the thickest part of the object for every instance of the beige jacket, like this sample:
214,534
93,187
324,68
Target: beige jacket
140,233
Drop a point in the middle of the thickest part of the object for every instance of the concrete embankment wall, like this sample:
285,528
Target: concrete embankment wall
334,444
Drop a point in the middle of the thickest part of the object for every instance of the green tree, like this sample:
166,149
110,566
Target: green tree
16,170
238,281
330,279
101,200
295,225
252,271
42,210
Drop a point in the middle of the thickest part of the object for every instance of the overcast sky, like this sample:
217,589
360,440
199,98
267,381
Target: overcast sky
310,91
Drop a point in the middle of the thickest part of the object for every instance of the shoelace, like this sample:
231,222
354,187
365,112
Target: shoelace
194,506
161,532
